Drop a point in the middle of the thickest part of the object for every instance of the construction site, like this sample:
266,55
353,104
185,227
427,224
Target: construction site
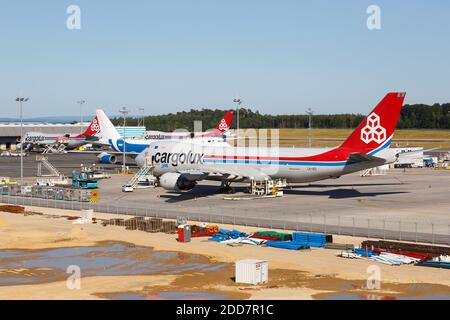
377,218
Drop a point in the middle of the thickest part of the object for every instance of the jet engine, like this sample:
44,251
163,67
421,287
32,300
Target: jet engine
176,182
106,158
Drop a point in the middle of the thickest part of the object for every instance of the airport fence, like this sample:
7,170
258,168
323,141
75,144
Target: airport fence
413,231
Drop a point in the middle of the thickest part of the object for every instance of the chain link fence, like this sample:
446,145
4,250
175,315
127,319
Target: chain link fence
435,233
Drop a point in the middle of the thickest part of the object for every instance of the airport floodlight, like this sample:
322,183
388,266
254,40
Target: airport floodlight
124,111
310,114
141,117
21,100
238,104
81,102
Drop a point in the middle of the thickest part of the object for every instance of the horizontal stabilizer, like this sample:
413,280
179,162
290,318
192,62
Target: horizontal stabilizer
362,157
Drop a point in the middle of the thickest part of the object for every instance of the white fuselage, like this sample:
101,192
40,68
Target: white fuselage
42,139
242,164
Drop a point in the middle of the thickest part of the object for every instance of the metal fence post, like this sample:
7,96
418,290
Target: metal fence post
416,231
384,229
368,228
310,223
325,224
432,231
354,226
339,225
400,230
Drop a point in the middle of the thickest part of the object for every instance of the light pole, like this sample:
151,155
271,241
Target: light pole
238,104
81,102
141,121
124,112
21,101
310,113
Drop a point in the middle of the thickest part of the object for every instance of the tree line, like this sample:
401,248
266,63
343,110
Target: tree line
418,116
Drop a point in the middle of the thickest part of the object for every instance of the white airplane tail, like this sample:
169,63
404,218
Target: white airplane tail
107,129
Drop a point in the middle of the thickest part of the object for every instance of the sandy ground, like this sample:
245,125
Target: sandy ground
293,274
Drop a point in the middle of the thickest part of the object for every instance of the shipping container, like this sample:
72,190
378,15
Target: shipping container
252,271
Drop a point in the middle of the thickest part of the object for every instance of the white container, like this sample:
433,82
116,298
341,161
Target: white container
252,271
87,214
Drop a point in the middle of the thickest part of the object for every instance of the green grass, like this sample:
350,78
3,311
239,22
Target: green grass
333,137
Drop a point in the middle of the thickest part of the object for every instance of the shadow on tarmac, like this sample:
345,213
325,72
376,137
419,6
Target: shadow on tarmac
341,193
200,191
348,185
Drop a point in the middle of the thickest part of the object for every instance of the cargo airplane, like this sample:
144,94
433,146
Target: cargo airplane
109,136
181,165
67,141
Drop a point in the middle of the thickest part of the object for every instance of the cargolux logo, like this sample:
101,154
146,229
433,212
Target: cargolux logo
34,139
176,159
223,125
373,131
95,127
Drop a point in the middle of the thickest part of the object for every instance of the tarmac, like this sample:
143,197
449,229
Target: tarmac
409,204
65,163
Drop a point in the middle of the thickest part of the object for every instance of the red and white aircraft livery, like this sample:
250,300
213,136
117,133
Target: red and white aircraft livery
110,136
70,142
180,165
219,131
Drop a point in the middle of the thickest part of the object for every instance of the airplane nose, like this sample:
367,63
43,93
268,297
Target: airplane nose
141,159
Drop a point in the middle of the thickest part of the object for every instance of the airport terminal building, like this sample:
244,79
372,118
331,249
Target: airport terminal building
10,132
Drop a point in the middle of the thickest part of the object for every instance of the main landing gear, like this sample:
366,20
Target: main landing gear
225,188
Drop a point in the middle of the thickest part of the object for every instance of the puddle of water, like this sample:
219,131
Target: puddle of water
167,295
379,297
107,260
165,255
178,295
127,296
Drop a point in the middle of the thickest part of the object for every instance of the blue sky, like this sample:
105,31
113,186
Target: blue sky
168,56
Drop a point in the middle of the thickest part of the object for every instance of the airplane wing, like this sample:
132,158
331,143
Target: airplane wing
223,174
362,157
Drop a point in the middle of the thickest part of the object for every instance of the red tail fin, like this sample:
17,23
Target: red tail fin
93,128
377,129
225,123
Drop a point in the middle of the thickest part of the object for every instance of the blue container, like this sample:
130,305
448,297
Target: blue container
364,252
290,245
311,239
